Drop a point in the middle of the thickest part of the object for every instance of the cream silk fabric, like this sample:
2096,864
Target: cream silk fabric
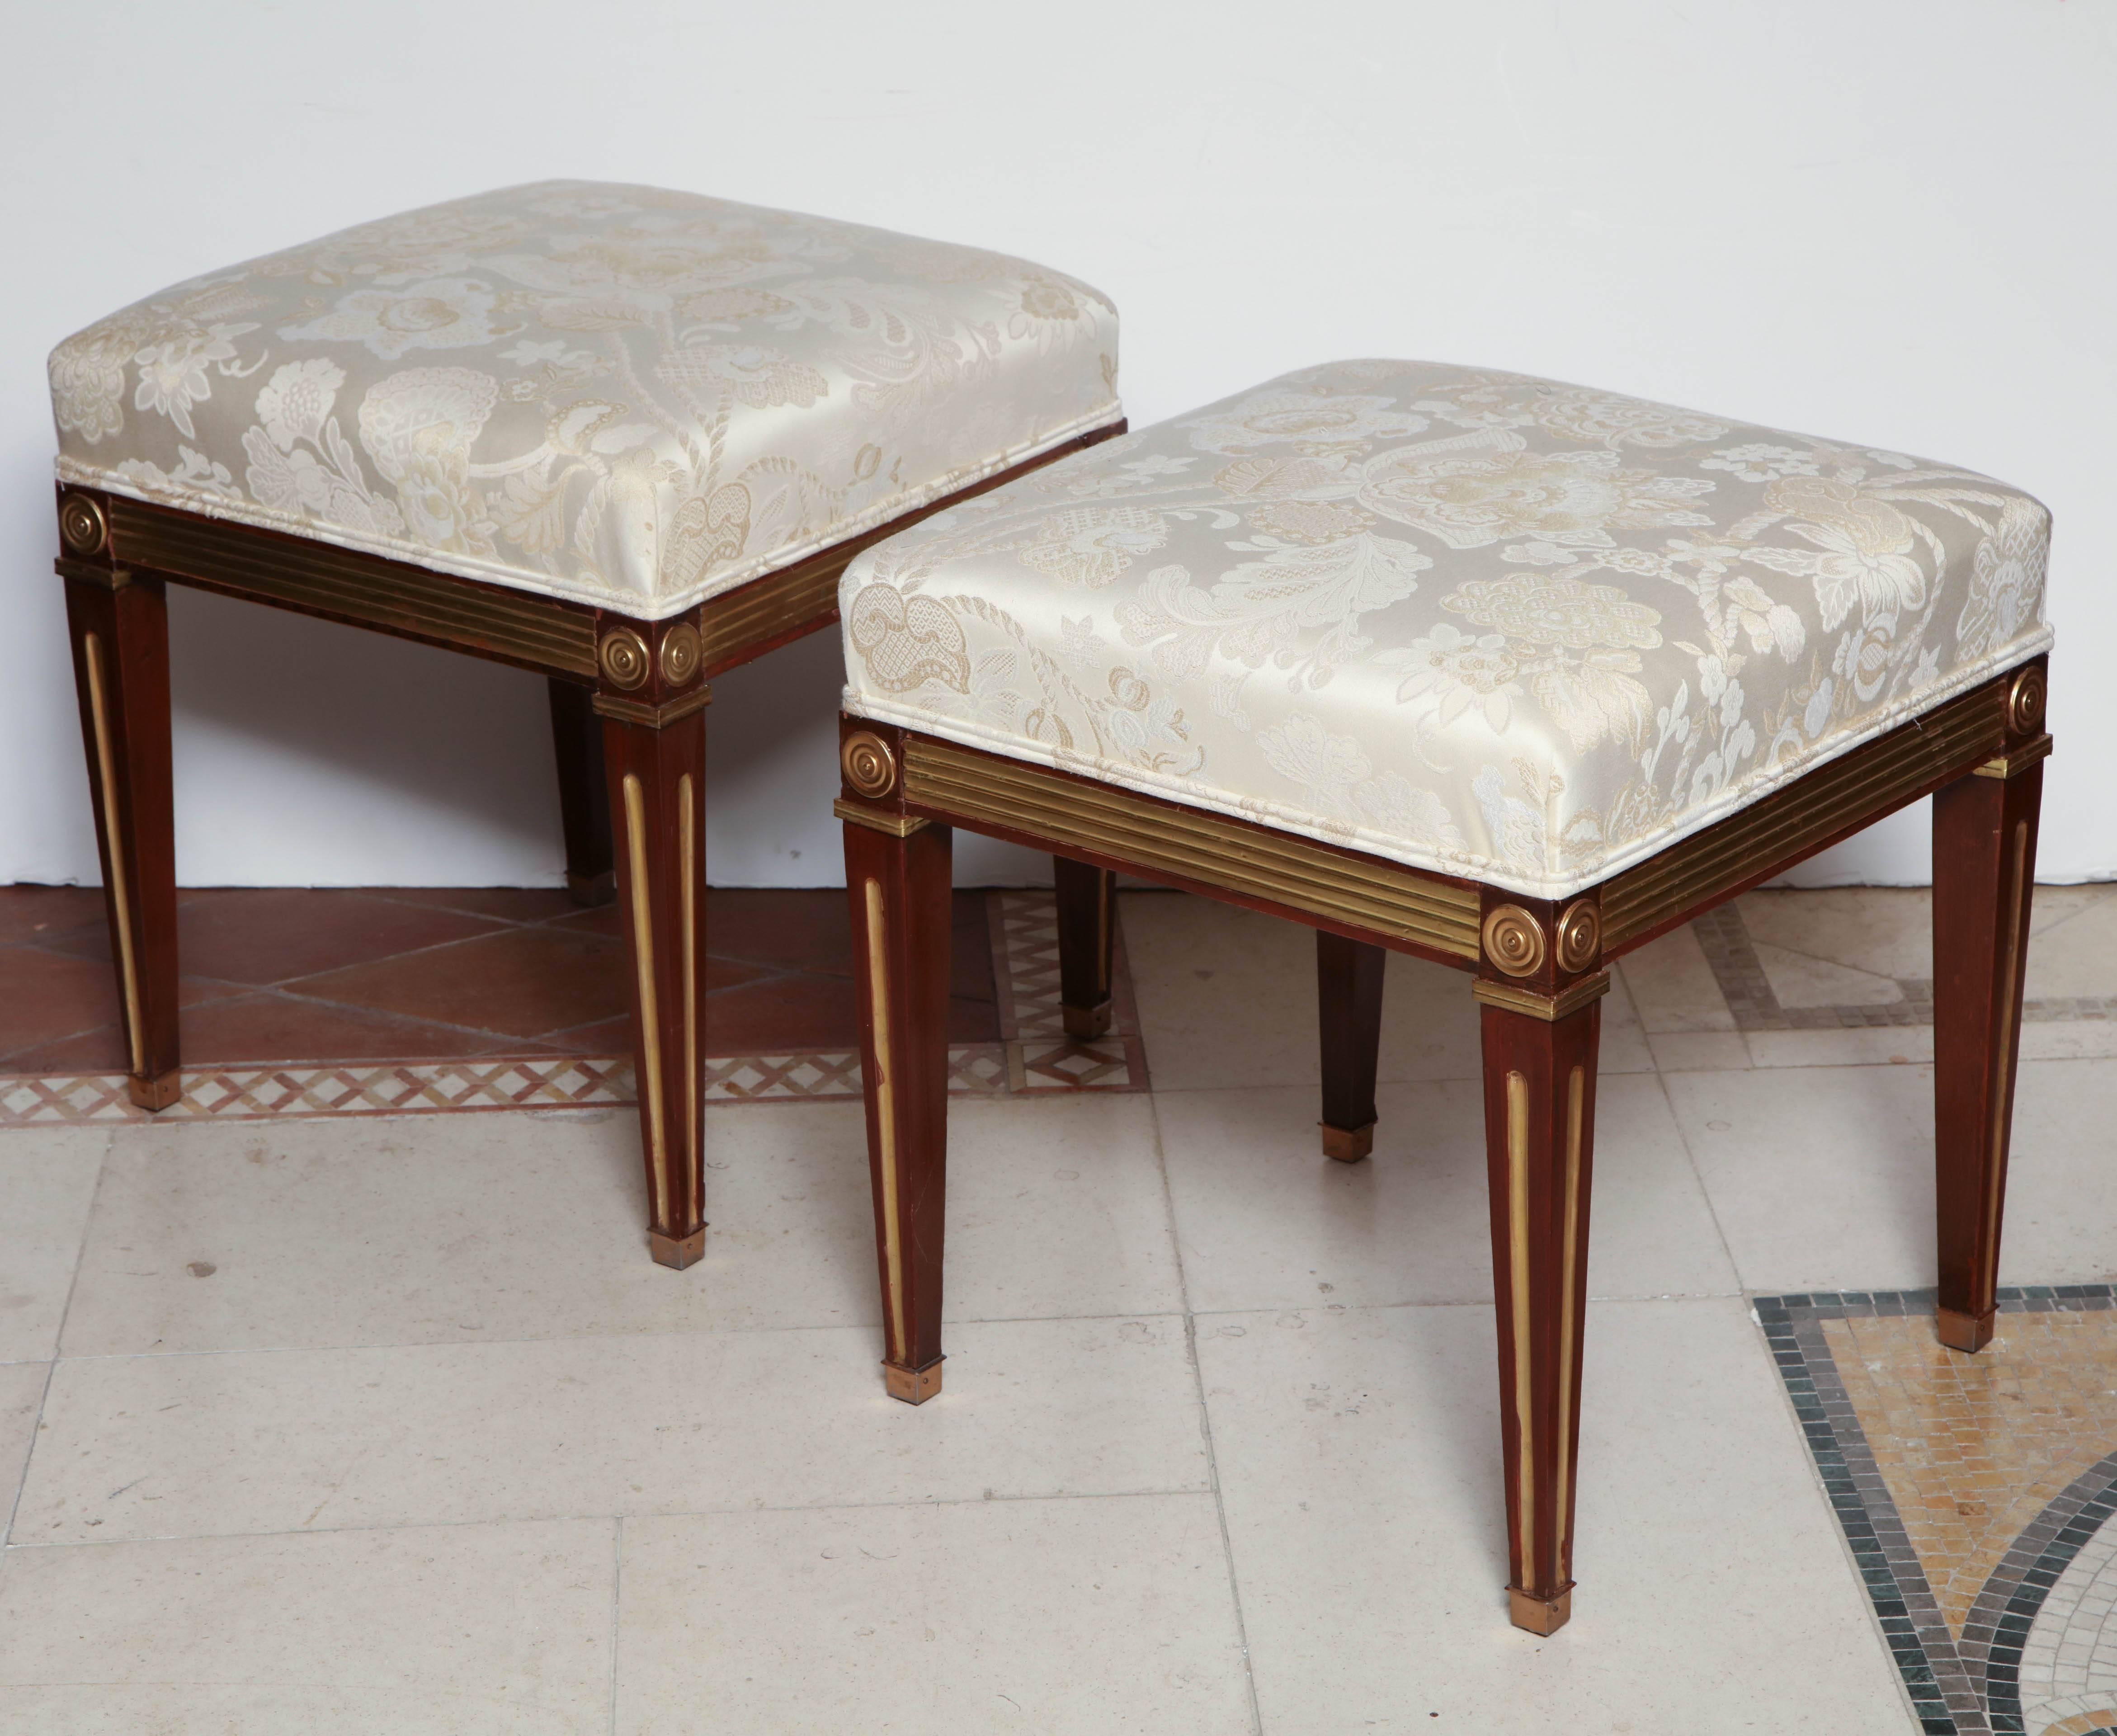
1471,621
630,397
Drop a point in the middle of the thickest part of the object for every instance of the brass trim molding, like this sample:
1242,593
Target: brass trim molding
113,833
1514,941
896,825
1507,996
1522,1340
737,623
2008,765
1780,829
984,791
1569,1324
885,1109
653,716
392,596
650,1023
689,848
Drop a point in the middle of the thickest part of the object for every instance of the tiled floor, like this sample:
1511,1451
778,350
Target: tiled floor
405,999
346,1420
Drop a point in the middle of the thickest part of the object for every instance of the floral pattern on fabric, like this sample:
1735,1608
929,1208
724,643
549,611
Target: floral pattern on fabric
1473,621
614,394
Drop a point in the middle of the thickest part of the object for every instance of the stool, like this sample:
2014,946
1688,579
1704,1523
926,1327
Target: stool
1506,674
626,438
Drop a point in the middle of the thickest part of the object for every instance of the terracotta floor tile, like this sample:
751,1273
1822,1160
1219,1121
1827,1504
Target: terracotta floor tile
521,981
501,903
277,1027
45,995
29,912
807,930
266,934
265,1027
605,1036
805,1010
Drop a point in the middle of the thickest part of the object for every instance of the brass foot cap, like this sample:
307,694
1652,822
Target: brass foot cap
913,1385
1962,1332
153,1094
1347,1144
592,890
1539,1615
1087,1023
677,1253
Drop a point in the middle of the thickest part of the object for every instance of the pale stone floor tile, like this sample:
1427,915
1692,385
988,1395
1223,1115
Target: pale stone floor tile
1106,1615
1823,1179
2076,957
1881,931
1265,1220
46,1182
22,1391
445,1228
1800,980
420,1434
448,1630
1856,1045
1358,1454
1673,986
1698,1051
2068,1040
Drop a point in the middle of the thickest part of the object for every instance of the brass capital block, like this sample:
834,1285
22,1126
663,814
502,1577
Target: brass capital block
2008,765
896,825
1536,1005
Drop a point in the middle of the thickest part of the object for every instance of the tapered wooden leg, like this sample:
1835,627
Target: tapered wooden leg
120,664
1539,1143
584,794
1984,869
659,779
1087,928
1349,992
899,891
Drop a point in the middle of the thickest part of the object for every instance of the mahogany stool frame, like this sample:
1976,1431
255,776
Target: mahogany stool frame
1540,969
643,686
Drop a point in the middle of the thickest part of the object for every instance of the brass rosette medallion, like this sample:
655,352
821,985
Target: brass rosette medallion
1514,941
1580,935
870,767
679,653
82,527
2025,703
623,656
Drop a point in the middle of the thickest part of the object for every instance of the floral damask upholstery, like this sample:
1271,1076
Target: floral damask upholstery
1492,626
614,394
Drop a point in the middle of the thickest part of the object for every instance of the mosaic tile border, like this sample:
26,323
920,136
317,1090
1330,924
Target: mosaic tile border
1034,1054
1724,938
1966,1689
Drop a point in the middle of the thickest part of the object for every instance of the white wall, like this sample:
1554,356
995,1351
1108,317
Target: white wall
1886,219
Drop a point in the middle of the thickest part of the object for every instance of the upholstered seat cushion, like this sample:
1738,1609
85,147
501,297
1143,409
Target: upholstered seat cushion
614,394
1488,625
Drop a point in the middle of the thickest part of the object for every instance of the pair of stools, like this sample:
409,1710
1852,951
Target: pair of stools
1503,673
